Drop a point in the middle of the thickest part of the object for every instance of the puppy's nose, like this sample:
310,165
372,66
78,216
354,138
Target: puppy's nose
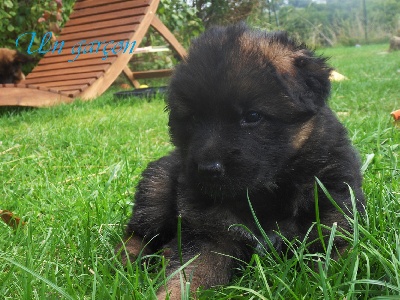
211,169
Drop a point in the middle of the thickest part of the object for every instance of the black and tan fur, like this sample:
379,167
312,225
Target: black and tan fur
11,62
249,119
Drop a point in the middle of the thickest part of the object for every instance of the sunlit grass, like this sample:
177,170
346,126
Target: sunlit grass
70,172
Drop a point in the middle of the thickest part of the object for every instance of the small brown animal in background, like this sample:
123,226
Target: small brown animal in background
249,118
10,65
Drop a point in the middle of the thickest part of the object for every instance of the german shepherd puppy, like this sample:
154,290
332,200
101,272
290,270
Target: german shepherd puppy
251,126
11,62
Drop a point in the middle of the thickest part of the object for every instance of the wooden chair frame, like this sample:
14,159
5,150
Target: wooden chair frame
55,80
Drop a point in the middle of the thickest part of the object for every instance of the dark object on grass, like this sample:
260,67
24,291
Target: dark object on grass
10,219
249,119
11,62
142,92
394,43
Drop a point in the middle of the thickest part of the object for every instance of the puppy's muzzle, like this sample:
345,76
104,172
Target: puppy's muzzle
211,170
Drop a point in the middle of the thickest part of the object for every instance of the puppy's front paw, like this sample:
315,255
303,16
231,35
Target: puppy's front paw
131,249
173,294
174,291
274,239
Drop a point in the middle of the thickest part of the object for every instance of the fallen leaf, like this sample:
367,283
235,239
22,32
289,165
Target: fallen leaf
396,115
125,86
9,218
335,76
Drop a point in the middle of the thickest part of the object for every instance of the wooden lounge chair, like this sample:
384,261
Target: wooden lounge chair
56,80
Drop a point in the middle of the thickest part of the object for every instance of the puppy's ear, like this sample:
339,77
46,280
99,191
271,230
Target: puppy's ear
22,58
309,83
313,73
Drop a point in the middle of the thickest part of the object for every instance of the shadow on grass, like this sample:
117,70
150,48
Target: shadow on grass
14,110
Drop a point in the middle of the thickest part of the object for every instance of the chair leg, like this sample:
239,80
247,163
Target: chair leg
129,74
168,36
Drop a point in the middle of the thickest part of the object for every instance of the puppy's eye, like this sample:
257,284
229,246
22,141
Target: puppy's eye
251,118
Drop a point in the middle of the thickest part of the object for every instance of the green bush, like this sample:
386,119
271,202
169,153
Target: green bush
18,17
181,19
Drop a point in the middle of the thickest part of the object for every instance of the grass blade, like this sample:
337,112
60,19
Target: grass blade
38,276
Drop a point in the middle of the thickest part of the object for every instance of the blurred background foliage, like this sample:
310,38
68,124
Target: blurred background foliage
319,23
335,22
40,16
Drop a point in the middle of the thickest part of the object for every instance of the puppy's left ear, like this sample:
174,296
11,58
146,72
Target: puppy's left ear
312,78
308,81
23,58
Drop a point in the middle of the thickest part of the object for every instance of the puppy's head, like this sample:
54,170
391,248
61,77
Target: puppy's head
10,65
241,104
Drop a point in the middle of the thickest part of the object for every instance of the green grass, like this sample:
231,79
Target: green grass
70,172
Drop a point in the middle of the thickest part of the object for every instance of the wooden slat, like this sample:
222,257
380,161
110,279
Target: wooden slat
80,87
108,16
71,59
70,65
95,32
151,49
50,72
104,24
69,50
38,87
53,90
88,75
72,49
17,96
109,8
152,74
109,37
87,4
71,93
9,85
67,57
71,82
94,36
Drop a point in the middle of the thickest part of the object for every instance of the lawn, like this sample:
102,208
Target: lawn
70,173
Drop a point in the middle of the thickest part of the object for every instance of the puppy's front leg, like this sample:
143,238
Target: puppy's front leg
298,228
212,267
153,221
131,248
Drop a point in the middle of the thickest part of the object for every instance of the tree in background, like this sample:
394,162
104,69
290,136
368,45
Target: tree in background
223,12
346,22
181,19
343,22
